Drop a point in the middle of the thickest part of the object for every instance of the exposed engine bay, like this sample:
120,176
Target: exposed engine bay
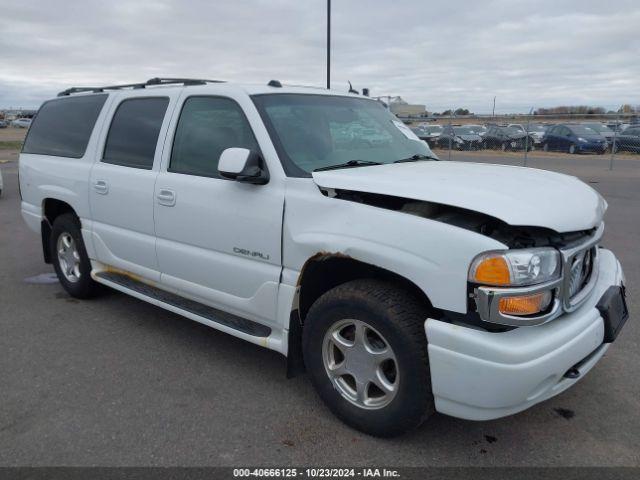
512,236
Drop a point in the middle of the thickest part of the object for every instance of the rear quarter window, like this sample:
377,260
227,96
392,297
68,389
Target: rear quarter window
63,126
133,134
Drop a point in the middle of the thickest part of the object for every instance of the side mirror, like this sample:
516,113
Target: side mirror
242,165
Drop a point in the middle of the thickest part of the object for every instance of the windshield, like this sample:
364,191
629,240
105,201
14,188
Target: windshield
583,130
315,131
512,130
466,130
433,129
598,127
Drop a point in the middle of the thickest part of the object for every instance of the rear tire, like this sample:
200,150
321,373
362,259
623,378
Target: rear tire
70,259
545,147
391,319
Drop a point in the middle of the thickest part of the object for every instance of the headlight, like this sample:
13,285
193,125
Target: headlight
516,267
458,140
580,139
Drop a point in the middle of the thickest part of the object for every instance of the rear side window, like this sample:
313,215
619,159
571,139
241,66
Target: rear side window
208,126
133,135
63,126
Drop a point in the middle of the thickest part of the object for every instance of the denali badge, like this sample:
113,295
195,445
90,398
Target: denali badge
249,253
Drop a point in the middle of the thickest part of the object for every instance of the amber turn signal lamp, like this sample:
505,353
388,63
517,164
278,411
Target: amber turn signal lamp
525,304
493,271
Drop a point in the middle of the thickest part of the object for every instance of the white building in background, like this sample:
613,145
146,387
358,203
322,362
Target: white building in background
12,114
401,108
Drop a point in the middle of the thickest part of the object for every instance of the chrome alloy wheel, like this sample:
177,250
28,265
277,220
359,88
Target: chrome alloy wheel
361,364
68,257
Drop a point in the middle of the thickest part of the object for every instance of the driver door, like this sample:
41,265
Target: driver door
218,241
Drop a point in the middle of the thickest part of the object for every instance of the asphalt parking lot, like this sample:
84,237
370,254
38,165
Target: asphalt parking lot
116,381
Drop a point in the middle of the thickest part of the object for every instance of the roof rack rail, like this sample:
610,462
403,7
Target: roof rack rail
151,82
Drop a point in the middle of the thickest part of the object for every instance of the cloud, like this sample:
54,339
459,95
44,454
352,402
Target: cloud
441,53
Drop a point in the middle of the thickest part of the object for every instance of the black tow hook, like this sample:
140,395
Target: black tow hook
572,373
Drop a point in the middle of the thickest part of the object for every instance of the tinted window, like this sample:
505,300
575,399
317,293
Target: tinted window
62,127
207,126
581,130
134,131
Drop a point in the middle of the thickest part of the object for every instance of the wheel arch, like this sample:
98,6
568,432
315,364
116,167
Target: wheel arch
321,273
52,208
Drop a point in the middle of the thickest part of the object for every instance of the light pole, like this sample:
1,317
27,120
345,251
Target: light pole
328,44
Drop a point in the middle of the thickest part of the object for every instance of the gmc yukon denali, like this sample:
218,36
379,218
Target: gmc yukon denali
318,225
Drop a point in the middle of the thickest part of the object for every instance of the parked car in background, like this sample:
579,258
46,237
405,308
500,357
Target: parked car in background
574,139
3,124
21,123
628,141
479,129
602,129
535,130
617,126
428,133
460,137
507,138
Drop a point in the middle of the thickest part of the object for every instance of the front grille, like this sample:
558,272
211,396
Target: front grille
580,270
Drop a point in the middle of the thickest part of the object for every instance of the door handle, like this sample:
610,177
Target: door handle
166,197
101,187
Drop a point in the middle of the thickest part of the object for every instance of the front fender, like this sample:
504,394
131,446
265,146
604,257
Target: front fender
433,255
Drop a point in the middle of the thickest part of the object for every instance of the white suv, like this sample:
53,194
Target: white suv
316,224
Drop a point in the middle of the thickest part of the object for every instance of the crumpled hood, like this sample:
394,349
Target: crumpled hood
515,195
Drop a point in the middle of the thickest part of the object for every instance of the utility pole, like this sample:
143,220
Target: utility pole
494,108
328,44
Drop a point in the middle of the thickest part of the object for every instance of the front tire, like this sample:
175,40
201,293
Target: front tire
70,259
572,149
365,349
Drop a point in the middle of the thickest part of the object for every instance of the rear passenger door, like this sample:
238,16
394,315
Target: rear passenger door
122,182
218,241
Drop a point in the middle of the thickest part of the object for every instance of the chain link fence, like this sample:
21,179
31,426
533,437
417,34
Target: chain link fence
517,139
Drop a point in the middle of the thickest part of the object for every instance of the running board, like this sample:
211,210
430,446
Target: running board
195,308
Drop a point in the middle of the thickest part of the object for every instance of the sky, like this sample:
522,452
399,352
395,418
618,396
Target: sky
444,54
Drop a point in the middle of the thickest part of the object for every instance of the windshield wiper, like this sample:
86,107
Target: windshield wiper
415,158
349,164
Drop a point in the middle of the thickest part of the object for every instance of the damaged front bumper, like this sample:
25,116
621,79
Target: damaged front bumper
481,375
